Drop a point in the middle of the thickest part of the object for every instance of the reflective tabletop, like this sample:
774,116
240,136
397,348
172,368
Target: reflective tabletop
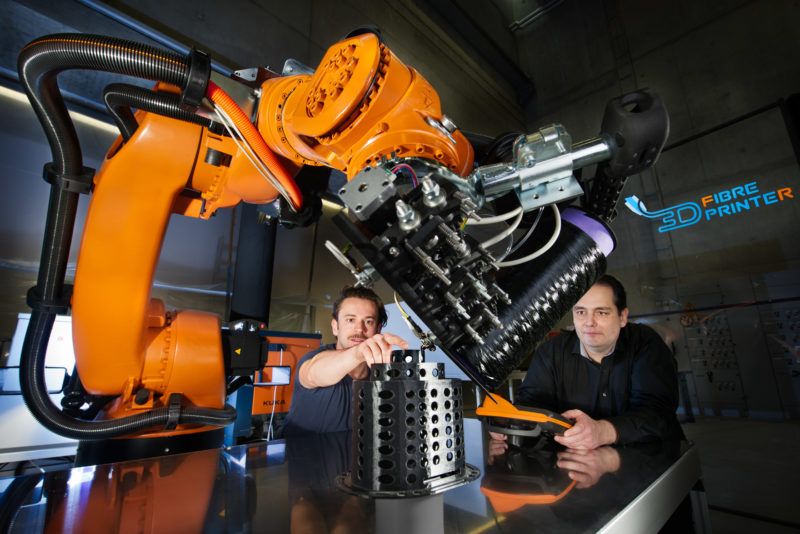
291,486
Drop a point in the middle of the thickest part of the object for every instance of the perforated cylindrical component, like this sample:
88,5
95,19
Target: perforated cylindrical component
408,431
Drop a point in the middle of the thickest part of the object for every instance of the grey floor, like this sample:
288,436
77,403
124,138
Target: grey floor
751,472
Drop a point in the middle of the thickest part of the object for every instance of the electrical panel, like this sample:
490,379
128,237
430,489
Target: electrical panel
742,340
715,368
782,332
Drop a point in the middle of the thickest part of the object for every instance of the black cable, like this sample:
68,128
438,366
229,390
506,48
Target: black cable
14,496
501,148
39,64
121,97
43,59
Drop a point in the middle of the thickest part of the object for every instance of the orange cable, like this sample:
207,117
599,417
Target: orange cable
254,139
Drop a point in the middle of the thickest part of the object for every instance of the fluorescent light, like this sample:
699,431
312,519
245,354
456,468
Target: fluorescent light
13,95
76,116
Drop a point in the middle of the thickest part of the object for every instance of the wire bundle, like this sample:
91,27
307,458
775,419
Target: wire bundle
517,213
250,142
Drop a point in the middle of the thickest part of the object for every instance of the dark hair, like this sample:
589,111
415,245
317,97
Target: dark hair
620,299
351,292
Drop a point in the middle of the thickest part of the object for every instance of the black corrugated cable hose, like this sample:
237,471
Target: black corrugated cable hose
39,64
121,97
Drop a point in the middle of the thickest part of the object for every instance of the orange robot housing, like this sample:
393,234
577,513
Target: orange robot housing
361,104
124,341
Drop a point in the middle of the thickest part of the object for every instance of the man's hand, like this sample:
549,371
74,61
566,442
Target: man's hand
497,447
586,467
378,348
330,366
497,436
586,433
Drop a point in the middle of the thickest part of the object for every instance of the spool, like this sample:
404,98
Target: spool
408,431
541,293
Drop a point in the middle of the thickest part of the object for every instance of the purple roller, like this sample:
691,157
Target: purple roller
594,228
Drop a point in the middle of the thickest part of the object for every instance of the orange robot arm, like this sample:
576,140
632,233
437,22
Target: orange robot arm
362,104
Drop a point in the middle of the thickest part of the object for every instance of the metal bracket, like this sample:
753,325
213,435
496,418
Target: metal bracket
367,191
366,276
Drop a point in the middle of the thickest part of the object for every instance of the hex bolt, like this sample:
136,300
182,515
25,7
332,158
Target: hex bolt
406,216
432,195
448,124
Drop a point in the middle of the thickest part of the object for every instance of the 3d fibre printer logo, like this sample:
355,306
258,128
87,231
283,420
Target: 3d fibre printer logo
724,203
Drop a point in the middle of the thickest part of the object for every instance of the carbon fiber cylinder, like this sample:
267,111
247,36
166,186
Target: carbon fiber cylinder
541,293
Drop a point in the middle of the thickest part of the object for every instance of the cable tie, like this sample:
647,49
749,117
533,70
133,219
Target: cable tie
58,305
82,183
173,411
196,85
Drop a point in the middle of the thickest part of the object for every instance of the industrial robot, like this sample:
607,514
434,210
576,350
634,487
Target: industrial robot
417,188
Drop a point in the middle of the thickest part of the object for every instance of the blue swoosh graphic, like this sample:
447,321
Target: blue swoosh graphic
678,216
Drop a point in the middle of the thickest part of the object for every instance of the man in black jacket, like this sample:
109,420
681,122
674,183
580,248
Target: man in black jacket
615,380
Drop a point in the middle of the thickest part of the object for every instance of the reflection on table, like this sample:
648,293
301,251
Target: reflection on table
290,487
564,490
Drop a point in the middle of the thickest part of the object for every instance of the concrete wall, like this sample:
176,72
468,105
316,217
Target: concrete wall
711,62
722,69
247,33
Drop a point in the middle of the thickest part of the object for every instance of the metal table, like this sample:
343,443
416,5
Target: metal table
289,486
